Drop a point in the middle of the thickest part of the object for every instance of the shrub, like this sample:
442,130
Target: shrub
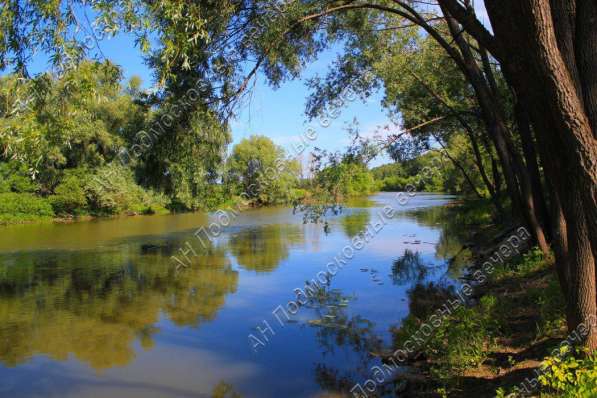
23,207
70,196
15,178
344,180
461,341
260,169
569,376
113,190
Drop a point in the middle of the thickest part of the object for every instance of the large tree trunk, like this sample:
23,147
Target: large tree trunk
586,57
540,67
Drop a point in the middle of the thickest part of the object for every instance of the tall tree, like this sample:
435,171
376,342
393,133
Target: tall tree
547,50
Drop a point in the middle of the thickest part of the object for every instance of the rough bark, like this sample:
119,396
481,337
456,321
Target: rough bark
586,57
541,75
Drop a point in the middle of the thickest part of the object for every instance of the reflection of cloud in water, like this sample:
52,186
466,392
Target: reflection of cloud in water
165,372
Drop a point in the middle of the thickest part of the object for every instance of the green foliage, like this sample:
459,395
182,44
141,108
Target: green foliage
75,121
259,171
60,134
461,342
112,190
344,180
187,158
70,197
23,207
445,176
521,266
570,375
15,178
551,304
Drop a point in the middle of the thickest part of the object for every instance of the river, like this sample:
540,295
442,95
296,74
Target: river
99,309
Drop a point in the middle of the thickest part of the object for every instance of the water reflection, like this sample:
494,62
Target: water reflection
338,329
408,268
355,223
94,305
262,248
455,230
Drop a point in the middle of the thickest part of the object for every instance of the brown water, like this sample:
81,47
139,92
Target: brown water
97,309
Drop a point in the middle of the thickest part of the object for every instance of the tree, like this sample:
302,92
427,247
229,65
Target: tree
430,88
259,170
547,52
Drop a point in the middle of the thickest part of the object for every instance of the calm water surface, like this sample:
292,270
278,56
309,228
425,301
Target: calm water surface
96,309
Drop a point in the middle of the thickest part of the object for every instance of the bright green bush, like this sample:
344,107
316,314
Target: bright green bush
23,207
70,196
461,341
569,376
113,190
260,170
345,180
15,178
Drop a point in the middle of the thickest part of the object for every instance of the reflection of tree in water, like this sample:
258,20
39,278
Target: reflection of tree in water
262,249
454,233
330,379
94,305
411,269
355,223
425,298
224,390
337,329
196,294
408,268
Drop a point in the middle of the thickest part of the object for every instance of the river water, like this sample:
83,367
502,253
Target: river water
98,309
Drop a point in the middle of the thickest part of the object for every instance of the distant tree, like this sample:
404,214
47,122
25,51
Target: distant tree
259,169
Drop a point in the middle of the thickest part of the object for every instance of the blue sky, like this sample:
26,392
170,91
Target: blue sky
276,113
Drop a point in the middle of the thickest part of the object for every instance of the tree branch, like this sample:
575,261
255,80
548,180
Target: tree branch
467,18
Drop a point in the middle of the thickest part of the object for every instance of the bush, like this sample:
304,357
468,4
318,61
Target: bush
260,170
23,207
15,178
345,180
460,343
70,196
113,190
569,376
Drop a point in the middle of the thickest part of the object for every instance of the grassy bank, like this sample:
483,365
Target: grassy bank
512,326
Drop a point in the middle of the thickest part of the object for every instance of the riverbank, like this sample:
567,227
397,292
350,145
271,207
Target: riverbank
499,340
26,208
